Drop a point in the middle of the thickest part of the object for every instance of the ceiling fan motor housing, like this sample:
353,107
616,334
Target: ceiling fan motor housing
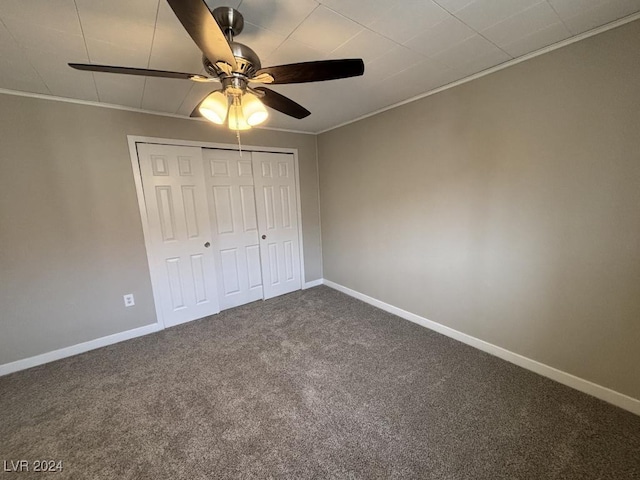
246,59
230,20
247,62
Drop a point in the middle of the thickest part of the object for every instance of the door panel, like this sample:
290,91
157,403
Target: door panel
182,268
223,210
276,207
229,180
248,201
253,266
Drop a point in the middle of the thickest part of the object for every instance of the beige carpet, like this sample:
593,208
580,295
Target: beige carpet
314,384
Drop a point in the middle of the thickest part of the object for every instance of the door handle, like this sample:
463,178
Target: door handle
207,245
264,237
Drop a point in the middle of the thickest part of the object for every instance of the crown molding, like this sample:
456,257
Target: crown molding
502,66
90,103
515,61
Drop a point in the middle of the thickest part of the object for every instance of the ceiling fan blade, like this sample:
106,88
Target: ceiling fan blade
262,78
203,29
283,104
314,71
137,71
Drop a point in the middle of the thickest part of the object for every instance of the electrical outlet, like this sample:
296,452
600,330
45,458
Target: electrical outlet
128,300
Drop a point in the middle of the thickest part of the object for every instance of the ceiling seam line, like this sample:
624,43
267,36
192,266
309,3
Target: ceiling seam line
86,48
25,57
561,19
298,26
425,57
365,27
185,98
153,39
511,57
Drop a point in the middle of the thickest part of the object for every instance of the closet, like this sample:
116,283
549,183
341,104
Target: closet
221,229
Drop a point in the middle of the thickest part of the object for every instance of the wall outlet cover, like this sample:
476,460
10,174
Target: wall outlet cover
129,300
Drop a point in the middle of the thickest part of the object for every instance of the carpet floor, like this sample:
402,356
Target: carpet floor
313,384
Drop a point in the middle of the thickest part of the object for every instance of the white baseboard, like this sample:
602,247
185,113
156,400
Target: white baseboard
41,359
76,349
313,283
610,396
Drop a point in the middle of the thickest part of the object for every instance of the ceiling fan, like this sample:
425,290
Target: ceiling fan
236,66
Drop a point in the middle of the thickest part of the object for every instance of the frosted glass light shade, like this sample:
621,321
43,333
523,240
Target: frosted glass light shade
253,109
236,118
214,107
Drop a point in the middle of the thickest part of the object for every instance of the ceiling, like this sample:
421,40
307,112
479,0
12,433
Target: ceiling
409,47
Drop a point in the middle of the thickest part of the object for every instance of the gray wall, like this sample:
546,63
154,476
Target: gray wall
507,208
71,240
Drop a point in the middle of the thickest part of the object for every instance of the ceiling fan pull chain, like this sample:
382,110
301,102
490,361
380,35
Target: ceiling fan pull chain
239,144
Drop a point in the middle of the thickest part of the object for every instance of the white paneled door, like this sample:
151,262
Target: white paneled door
277,212
232,207
181,257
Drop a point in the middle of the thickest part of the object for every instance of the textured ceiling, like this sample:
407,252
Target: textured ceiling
409,47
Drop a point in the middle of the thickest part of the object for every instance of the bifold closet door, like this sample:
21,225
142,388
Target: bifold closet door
277,213
232,206
181,260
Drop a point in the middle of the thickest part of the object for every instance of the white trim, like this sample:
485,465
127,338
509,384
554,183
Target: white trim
312,283
135,165
41,96
524,58
611,396
142,209
195,143
77,349
296,168
319,209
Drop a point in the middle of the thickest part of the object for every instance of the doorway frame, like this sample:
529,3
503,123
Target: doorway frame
133,140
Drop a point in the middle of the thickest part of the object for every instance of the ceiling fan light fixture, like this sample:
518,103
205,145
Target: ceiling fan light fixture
236,119
235,65
253,109
214,108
